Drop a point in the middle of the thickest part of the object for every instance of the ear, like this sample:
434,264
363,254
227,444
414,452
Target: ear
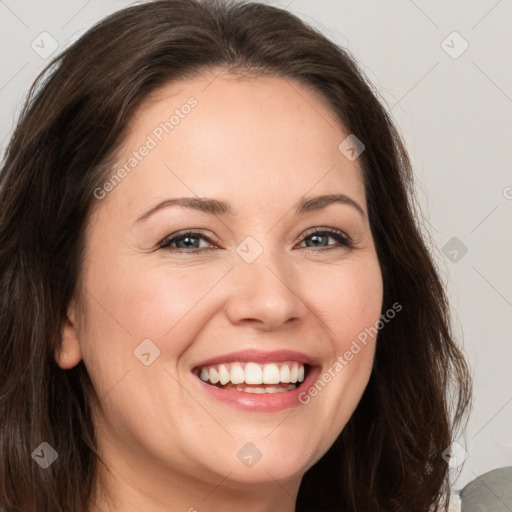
70,352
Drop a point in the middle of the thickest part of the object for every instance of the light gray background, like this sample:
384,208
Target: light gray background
455,115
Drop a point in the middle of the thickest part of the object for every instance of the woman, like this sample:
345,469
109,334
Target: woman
214,289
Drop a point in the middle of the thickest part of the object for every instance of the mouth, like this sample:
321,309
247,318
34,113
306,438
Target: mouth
257,381
253,377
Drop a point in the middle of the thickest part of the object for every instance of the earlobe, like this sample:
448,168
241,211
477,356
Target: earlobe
70,352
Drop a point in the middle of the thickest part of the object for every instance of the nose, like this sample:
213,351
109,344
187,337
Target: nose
264,294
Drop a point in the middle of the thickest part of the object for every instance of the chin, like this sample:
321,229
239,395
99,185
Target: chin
263,474
276,465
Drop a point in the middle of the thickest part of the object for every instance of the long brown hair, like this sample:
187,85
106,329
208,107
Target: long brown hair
389,456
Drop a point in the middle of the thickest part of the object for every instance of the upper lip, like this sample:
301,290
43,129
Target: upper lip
260,356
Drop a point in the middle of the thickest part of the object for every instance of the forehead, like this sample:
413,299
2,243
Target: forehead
218,136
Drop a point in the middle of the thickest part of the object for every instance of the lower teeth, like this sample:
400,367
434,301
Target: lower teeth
259,389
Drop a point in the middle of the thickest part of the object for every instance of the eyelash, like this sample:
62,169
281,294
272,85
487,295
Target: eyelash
339,236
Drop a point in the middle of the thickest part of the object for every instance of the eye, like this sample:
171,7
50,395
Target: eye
319,236
184,240
190,240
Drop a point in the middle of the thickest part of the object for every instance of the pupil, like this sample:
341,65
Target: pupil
313,237
188,238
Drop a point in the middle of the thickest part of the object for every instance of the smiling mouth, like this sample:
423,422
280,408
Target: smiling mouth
251,377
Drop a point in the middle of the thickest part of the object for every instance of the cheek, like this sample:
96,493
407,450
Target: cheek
168,304
348,299
127,305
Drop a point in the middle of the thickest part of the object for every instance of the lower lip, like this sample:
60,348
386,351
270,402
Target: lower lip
264,402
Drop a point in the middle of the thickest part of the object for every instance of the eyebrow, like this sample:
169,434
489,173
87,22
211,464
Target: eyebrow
217,207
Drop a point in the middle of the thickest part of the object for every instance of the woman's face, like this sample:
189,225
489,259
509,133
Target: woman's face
259,286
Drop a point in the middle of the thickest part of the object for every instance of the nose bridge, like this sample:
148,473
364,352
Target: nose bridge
262,289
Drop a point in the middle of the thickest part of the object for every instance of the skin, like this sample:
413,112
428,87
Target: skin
260,144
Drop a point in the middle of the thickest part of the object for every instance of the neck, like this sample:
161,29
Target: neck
135,488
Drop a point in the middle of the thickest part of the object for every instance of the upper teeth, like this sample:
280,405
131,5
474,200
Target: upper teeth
253,373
